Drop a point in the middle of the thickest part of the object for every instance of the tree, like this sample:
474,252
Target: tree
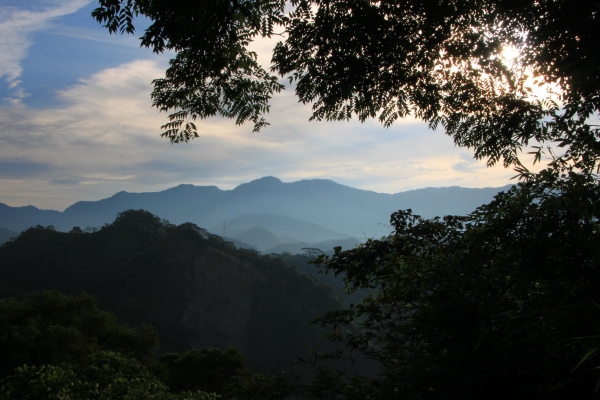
259,387
101,375
208,369
76,229
440,61
55,346
60,347
502,303
50,328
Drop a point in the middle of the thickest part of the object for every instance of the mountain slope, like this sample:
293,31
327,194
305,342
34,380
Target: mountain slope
257,236
196,289
21,218
6,234
264,231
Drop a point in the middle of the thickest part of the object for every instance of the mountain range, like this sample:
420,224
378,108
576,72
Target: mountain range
265,212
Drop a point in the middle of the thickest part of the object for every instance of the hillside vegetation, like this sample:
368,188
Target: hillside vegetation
195,288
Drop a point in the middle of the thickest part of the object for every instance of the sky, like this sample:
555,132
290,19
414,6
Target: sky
77,123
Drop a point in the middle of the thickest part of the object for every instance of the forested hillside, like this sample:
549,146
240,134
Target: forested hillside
195,288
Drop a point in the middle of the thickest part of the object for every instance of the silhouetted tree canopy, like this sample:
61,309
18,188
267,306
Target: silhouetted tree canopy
440,61
54,346
51,328
101,375
502,303
208,369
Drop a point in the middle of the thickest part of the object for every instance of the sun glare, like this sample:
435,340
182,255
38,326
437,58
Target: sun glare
510,53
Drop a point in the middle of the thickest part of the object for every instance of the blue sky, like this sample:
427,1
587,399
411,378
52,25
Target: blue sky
76,123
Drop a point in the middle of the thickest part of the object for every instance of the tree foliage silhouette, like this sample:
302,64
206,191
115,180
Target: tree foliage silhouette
439,61
501,303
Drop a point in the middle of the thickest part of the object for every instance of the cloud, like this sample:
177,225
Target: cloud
104,138
16,27
91,35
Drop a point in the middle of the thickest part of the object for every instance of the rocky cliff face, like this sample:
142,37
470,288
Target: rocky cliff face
196,289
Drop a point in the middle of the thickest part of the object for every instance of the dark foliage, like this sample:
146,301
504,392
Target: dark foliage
502,303
213,71
54,346
51,328
208,369
100,376
439,61
195,288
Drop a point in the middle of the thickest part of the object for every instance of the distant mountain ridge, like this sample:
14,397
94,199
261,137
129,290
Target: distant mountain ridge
281,225
349,211
6,235
20,218
264,231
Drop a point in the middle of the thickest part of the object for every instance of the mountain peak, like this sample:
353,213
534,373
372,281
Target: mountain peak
270,180
259,185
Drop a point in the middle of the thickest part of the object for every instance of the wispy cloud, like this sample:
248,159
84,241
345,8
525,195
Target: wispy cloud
16,26
99,36
105,138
